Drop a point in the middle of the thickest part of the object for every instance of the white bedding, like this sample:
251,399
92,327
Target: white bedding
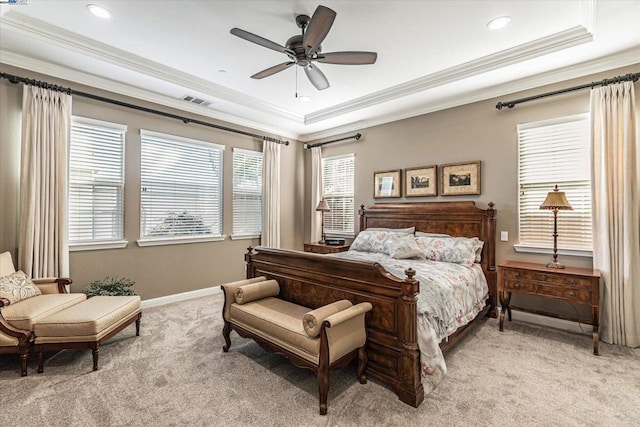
451,295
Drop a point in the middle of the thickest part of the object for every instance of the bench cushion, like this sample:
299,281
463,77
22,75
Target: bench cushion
24,314
90,319
279,321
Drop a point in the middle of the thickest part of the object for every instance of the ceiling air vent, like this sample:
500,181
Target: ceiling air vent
195,100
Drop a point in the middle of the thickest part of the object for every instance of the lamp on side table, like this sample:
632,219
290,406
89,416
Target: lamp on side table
555,201
322,207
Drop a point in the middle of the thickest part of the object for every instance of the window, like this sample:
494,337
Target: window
247,192
338,191
555,152
181,189
96,184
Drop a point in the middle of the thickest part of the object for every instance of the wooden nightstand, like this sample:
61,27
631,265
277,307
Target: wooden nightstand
320,248
574,285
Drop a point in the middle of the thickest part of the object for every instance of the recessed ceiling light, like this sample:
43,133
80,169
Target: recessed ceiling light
498,23
99,11
304,98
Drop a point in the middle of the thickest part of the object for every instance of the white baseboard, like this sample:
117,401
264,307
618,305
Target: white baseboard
183,296
536,319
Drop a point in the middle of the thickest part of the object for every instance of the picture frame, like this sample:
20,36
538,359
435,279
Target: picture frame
421,181
460,179
387,184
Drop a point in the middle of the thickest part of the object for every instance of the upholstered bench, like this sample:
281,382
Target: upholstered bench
86,325
321,340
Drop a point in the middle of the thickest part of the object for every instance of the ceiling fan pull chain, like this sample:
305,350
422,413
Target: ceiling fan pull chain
296,82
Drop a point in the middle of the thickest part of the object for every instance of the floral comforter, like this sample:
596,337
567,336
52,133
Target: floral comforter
451,295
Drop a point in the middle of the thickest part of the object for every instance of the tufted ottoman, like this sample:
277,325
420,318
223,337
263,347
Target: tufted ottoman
86,325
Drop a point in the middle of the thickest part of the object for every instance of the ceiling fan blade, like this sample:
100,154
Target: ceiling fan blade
272,70
316,77
348,58
258,40
318,28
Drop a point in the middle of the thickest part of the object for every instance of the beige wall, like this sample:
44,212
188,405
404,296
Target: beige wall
157,270
470,132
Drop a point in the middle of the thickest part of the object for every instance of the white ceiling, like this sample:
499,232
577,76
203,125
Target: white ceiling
431,54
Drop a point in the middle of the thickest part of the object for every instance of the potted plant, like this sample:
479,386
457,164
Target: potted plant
111,286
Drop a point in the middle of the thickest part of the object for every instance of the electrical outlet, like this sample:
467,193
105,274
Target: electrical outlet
504,236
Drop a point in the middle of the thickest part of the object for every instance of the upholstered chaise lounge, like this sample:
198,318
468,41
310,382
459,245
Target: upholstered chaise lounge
321,340
18,317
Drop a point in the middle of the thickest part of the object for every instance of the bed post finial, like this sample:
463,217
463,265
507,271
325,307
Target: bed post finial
361,210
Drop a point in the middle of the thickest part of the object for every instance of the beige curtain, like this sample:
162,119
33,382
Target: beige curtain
43,239
316,193
616,211
271,195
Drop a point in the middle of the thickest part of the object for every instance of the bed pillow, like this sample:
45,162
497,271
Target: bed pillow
374,241
479,244
17,287
423,234
458,250
403,247
408,230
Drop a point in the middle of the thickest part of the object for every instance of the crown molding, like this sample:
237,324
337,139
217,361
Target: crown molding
80,77
625,58
543,46
40,30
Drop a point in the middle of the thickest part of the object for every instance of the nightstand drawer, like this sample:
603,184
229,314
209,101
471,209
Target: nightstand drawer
319,248
564,279
549,290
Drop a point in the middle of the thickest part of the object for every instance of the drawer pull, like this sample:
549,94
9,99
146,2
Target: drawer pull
516,275
572,294
516,285
572,282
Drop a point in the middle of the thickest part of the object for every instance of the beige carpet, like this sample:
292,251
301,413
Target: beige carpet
175,374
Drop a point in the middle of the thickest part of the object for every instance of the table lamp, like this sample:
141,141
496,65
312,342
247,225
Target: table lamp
322,207
555,201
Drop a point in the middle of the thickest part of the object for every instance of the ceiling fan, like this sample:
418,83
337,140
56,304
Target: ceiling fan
305,49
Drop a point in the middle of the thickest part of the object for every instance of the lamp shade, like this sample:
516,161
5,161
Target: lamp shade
556,200
323,206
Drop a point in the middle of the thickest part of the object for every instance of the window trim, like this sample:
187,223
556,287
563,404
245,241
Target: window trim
343,233
119,242
244,236
528,247
144,241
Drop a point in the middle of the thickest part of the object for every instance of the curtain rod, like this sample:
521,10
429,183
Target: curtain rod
357,137
628,77
15,80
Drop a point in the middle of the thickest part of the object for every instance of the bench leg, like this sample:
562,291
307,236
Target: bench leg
24,359
226,333
138,324
362,365
95,350
40,350
323,386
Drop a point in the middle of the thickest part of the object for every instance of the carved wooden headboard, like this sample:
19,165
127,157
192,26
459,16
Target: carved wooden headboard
461,219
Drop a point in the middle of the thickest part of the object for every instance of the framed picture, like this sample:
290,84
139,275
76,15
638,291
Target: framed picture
387,184
421,182
460,179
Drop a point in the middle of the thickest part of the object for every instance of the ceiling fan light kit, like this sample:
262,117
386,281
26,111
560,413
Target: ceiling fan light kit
305,49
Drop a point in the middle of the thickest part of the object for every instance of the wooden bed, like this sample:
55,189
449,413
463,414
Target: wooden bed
314,280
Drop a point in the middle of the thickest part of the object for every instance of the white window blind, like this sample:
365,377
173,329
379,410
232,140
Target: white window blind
247,192
338,190
555,152
96,181
181,187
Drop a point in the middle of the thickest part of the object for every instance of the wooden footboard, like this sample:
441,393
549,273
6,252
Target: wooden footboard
314,280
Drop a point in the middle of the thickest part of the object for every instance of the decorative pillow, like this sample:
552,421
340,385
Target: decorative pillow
409,230
256,291
17,287
312,321
479,244
374,240
458,250
403,247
